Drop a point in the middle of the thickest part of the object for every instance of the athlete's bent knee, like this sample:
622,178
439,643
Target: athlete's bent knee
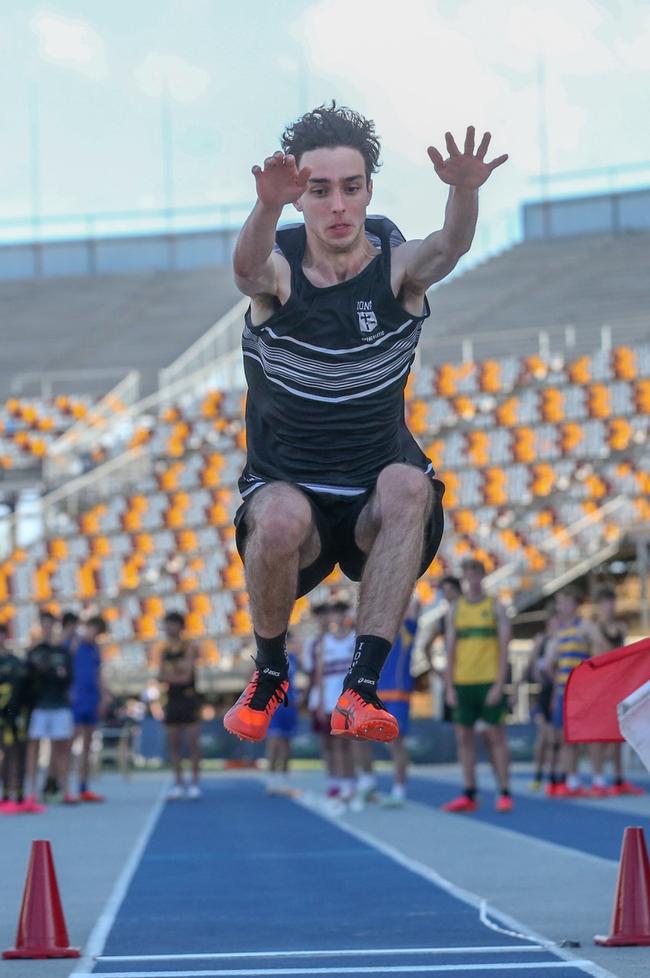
403,490
281,520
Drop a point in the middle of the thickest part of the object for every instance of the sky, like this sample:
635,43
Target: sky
84,81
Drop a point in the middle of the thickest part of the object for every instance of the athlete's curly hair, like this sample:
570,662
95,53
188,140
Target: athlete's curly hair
333,125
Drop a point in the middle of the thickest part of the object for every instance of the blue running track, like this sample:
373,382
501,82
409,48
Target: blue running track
572,823
240,884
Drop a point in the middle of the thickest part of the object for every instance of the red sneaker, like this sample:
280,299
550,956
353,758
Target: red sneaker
551,790
626,788
459,805
90,796
9,807
354,716
504,803
249,718
31,807
562,791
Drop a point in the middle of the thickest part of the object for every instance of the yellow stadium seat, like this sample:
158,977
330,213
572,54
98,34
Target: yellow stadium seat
624,363
523,445
599,401
620,434
552,404
642,396
571,434
580,371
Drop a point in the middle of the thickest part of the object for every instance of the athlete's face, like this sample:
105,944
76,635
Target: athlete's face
337,196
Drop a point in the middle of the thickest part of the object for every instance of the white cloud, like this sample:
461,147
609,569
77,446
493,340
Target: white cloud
185,82
72,43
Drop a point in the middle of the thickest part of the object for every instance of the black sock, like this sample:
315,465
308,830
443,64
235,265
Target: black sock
505,792
271,656
370,653
470,793
618,782
539,774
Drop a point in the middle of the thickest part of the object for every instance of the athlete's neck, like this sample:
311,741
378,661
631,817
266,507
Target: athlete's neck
325,266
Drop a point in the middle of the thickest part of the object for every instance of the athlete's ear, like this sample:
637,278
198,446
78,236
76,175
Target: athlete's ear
298,205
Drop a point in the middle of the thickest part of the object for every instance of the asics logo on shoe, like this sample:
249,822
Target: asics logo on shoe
270,672
366,682
348,714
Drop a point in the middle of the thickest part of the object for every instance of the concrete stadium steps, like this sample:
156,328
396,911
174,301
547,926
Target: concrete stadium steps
584,282
139,321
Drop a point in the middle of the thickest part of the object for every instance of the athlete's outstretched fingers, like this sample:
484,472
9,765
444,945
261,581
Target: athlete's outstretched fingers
279,156
256,170
498,161
485,142
435,156
451,145
469,141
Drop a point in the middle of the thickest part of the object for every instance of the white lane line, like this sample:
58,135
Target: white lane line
374,970
101,930
466,896
356,952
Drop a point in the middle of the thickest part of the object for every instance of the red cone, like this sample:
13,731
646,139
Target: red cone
631,916
41,926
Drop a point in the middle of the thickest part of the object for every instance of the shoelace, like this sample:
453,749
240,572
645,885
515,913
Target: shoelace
266,692
367,696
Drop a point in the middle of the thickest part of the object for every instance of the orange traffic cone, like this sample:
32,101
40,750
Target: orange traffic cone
41,926
631,916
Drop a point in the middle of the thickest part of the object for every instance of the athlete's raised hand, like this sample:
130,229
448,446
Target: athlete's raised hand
466,170
280,182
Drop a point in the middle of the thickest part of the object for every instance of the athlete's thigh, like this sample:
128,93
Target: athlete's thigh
274,498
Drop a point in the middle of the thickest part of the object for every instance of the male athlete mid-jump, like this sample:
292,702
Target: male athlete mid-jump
333,476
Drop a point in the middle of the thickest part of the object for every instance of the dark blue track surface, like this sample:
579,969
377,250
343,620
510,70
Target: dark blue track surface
572,823
239,872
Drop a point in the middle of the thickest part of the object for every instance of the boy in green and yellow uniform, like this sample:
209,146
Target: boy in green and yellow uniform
477,638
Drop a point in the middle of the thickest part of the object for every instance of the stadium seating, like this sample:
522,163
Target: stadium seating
527,447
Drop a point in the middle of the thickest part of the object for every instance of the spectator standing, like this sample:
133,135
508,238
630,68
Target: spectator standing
14,720
478,635
182,709
87,696
49,668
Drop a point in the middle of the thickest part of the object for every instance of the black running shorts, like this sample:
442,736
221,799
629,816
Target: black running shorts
336,518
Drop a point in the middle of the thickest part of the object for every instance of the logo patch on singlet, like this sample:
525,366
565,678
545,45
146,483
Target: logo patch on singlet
366,316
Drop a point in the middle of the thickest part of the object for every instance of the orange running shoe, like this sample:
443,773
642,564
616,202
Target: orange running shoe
461,805
504,804
367,718
249,718
89,795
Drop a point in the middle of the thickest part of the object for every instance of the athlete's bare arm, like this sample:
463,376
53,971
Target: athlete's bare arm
259,271
418,264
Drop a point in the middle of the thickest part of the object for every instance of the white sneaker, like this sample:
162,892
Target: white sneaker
194,792
176,792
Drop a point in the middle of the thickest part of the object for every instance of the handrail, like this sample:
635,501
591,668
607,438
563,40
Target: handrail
498,577
126,391
72,491
47,378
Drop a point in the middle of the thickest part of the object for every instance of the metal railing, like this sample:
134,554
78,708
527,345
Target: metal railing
73,381
562,566
71,499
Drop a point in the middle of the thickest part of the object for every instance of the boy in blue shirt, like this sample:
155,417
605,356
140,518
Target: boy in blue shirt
87,697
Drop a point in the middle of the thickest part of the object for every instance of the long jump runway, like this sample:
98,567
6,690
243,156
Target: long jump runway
241,884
